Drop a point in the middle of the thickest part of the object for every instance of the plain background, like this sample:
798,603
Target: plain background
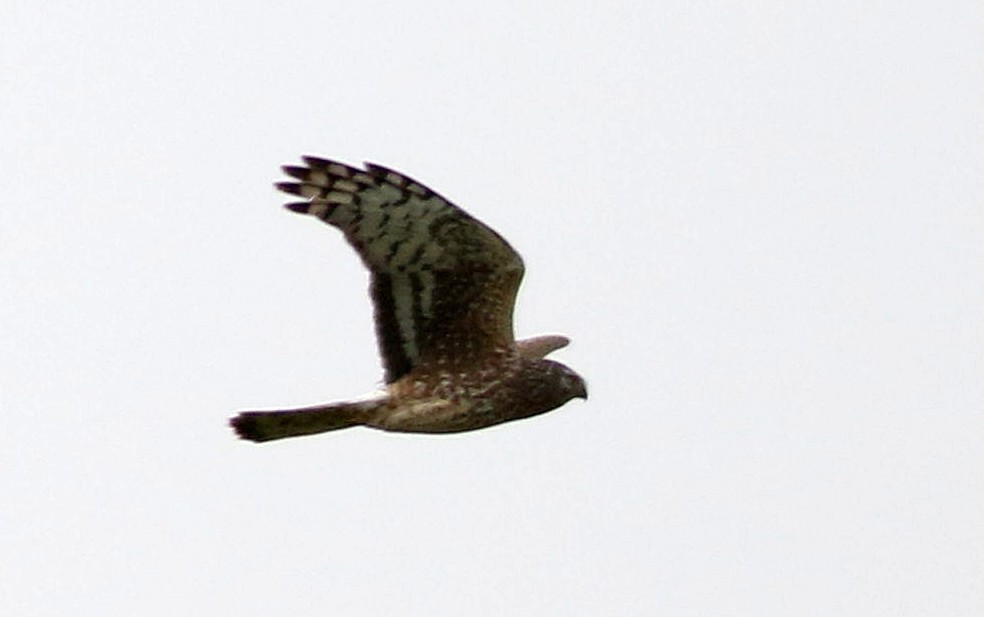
761,224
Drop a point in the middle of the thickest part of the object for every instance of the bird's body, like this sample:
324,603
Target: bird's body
443,287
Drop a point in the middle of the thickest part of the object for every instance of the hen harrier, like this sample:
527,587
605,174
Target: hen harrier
443,286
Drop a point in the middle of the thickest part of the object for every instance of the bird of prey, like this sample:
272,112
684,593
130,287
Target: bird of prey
443,286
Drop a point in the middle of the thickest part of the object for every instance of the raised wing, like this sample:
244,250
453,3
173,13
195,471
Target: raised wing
443,284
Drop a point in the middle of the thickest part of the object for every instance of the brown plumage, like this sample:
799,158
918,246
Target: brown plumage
443,286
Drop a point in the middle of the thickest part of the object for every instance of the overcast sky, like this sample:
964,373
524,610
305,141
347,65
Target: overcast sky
761,224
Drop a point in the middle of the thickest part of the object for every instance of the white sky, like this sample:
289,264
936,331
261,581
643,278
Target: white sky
761,224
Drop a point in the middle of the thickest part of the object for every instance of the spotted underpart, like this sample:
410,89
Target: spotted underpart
443,287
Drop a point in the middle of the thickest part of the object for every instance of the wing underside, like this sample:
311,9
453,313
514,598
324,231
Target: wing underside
439,277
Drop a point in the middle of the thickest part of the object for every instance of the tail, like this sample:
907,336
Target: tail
269,425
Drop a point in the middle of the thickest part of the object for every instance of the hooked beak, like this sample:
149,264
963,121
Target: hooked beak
582,392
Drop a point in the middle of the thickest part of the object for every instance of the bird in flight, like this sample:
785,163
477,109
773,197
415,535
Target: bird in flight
443,286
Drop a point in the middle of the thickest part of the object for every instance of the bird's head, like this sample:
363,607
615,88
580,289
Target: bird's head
574,384
567,384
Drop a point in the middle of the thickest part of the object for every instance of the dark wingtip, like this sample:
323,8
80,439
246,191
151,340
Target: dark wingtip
315,161
288,187
294,171
301,207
